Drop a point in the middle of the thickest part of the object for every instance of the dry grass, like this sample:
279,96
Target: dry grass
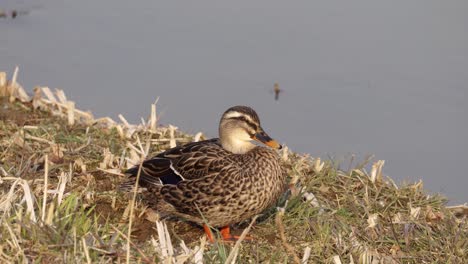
60,169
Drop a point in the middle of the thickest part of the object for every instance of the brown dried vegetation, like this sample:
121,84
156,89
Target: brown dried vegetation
59,200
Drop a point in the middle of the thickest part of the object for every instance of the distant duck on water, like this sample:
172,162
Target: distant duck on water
216,182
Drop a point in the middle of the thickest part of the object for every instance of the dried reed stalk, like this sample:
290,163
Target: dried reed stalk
71,113
235,251
46,182
3,80
286,245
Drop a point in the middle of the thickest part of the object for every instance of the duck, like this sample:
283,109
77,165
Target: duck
217,182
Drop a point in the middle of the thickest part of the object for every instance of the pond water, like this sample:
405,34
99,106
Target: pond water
357,78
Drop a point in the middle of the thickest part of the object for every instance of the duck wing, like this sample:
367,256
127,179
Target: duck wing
187,162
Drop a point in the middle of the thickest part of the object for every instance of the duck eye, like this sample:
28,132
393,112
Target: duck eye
248,122
254,127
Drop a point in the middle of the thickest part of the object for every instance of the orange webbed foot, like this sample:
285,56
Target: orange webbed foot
226,235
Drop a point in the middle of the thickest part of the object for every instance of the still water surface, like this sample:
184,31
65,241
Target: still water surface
362,77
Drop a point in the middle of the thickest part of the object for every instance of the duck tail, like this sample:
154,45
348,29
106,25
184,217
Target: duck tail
128,185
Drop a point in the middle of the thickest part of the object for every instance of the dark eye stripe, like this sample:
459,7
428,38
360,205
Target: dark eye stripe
252,125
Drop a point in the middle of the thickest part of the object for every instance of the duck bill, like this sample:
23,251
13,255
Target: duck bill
267,140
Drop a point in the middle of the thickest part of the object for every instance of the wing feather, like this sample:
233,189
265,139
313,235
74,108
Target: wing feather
188,162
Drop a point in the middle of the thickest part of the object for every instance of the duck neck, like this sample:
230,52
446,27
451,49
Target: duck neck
236,146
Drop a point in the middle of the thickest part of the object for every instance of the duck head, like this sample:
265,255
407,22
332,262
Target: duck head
239,126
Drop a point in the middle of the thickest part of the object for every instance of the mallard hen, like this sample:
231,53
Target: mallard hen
216,182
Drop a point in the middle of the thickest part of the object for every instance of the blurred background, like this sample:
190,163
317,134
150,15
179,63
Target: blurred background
357,78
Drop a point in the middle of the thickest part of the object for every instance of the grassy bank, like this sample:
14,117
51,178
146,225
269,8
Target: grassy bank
60,169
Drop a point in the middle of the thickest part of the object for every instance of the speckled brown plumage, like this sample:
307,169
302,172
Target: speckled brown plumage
205,178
